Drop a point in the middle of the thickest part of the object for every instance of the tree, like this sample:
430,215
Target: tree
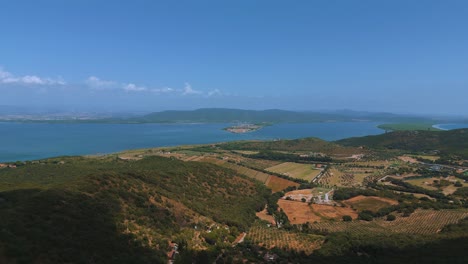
366,215
391,217
347,218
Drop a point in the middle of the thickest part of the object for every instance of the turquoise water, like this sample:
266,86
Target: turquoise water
450,126
29,141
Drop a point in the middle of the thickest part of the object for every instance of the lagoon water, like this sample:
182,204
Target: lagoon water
450,126
30,141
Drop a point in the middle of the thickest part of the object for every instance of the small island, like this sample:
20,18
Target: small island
244,128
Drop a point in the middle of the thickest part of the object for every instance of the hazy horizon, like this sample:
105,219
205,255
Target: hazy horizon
143,56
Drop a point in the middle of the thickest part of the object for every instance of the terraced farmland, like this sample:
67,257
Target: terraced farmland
296,170
259,164
420,222
273,182
270,237
344,176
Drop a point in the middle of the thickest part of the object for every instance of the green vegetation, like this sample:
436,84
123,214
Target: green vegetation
347,218
271,155
452,142
132,205
408,126
129,210
463,192
310,146
391,217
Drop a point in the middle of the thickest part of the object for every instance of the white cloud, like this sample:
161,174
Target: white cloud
133,88
9,78
188,90
97,83
214,92
162,90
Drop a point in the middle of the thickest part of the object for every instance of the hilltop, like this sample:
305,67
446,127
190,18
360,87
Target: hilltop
446,142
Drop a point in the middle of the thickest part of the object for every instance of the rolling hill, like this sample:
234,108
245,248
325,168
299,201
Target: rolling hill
216,115
87,210
447,142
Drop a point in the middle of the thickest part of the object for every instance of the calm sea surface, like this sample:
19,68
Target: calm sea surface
25,141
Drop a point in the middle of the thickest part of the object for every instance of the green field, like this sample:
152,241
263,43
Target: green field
368,203
295,170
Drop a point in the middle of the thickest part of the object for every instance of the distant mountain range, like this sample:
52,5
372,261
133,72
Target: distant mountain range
225,115
219,115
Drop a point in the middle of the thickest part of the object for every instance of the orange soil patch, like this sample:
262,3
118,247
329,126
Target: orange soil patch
334,211
296,192
240,238
264,216
362,197
299,212
298,195
277,184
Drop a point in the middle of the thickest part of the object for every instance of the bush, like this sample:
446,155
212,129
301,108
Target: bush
347,218
366,215
391,217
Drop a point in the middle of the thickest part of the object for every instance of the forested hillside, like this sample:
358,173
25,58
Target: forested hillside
73,210
447,142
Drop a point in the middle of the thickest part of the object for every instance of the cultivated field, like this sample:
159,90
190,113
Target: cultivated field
273,182
300,212
277,184
259,163
266,217
270,237
331,178
375,163
428,183
420,222
296,170
371,203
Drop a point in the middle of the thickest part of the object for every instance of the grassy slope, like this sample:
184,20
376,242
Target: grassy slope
448,142
303,144
107,211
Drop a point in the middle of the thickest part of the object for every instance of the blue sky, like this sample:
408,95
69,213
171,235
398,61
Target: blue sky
395,56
